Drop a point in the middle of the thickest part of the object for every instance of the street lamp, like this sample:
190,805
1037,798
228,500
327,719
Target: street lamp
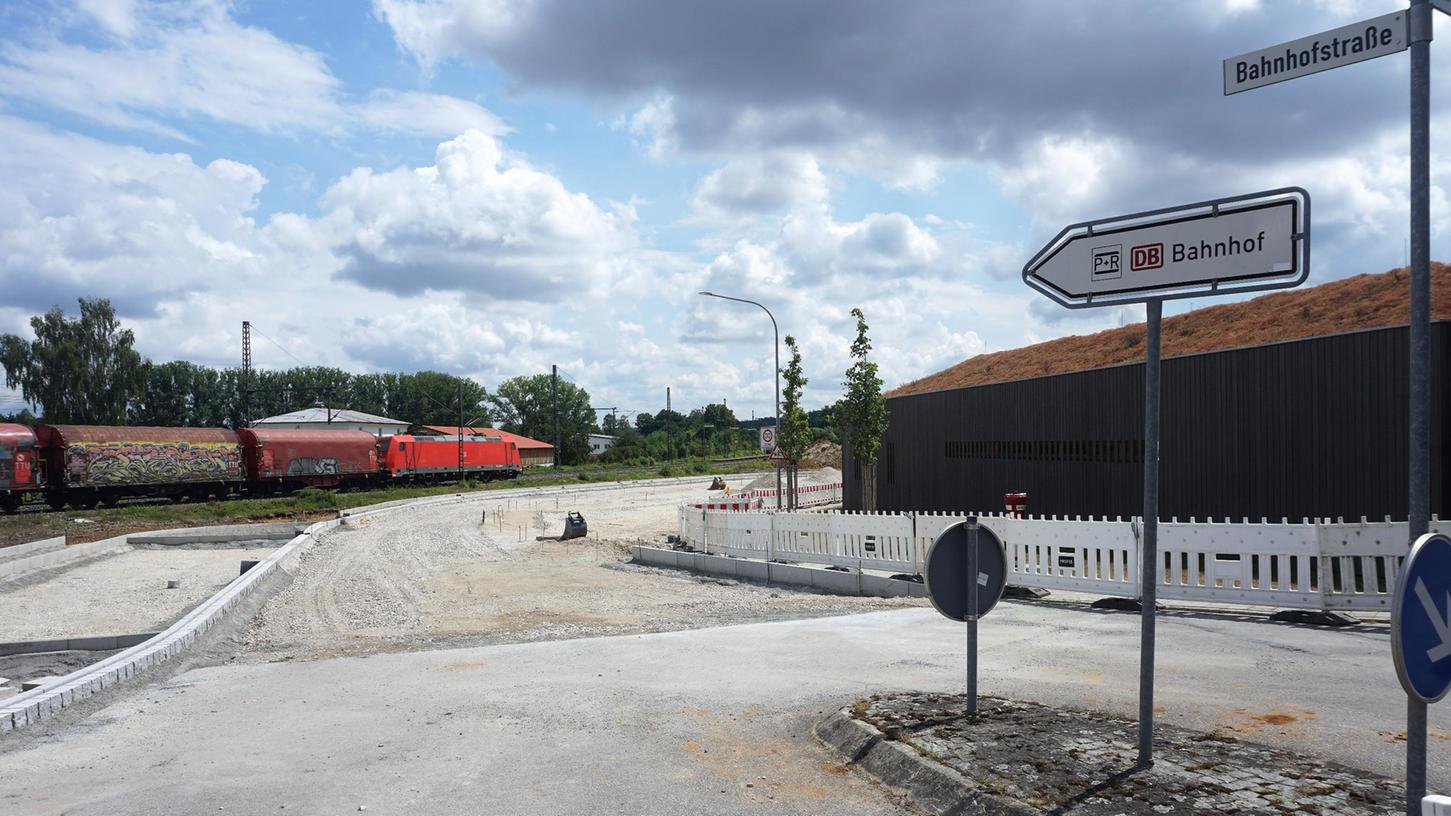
777,347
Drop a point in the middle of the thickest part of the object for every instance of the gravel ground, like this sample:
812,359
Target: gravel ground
475,574
119,594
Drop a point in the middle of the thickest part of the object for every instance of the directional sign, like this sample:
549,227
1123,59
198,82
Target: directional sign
1421,619
1244,243
947,571
1346,45
768,439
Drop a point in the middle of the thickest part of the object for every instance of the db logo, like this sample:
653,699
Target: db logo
1146,256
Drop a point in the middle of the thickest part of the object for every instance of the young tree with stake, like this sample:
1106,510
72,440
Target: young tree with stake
863,412
795,431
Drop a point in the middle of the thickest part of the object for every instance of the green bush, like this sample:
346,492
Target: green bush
667,471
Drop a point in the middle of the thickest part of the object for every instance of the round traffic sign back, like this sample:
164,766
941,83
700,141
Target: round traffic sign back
1421,619
947,581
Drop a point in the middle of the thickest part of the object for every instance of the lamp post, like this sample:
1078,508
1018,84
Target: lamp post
777,347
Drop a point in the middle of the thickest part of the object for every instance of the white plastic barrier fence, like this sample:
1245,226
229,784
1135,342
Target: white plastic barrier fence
764,498
1314,564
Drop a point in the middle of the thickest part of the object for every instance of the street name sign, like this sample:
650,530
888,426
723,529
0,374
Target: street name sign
768,439
1227,245
1347,45
1421,619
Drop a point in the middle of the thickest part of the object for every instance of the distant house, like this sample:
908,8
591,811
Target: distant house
599,443
322,418
532,452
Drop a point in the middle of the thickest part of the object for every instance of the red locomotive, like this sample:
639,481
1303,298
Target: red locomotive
429,458
86,465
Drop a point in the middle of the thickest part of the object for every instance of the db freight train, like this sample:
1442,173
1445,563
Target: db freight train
86,465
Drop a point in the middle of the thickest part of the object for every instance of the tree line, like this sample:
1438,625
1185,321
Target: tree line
85,370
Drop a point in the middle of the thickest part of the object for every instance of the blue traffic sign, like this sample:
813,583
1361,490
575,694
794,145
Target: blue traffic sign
1421,619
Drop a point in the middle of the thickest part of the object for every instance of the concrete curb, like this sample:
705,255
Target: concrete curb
31,548
38,704
223,533
98,643
46,558
521,492
810,577
931,786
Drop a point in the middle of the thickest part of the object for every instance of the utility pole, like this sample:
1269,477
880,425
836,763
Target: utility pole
667,399
554,393
460,428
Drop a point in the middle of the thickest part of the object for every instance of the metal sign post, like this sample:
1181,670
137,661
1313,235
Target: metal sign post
1377,37
1244,243
972,619
1419,509
967,571
1149,563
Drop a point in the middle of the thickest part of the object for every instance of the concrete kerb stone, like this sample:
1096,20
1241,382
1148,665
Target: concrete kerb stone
832,581
930,785
32,706
514,493
46,558
32,547
223,533
29,708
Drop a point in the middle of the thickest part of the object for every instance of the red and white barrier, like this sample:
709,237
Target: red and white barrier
807,496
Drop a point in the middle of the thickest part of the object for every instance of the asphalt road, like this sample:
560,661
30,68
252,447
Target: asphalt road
705,721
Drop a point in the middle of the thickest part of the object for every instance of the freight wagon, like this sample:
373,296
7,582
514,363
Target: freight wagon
19,471
89,464
86,465
282,460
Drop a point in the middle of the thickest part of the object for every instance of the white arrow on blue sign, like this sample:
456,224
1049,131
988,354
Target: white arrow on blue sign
1421,619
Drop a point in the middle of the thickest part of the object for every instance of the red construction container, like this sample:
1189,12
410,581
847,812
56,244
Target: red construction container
1016,503
283,456
104,456
427,457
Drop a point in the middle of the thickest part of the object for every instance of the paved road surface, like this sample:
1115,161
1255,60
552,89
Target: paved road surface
712,720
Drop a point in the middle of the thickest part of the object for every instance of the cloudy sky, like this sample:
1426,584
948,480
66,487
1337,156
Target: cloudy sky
487,187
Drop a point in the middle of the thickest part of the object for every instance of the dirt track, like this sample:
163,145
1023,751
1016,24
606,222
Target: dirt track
444,576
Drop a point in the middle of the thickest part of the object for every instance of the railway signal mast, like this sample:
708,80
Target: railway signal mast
246,378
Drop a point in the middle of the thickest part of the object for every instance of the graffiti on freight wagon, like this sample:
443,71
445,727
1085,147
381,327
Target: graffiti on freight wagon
132,463
303,466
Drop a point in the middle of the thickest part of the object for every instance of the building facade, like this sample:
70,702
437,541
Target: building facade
1298,429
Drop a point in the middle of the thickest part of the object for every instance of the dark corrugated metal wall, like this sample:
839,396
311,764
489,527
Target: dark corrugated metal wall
1306,428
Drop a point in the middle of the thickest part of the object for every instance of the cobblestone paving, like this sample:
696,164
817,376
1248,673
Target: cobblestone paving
1073,762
